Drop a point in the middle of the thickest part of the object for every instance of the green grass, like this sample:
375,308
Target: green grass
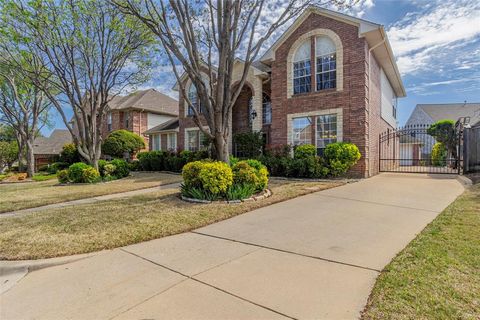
115,223
2,176
17,196
437,276
44,177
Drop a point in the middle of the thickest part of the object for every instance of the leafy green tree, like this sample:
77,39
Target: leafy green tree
444,132
87,50
8,154
24,108
207,38
121,142
6,133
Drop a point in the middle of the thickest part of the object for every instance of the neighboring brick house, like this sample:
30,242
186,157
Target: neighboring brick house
46,150
330,77
139,112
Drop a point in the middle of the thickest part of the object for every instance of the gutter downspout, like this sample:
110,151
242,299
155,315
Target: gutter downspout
370,81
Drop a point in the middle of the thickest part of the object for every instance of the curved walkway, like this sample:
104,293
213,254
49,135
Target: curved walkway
315,256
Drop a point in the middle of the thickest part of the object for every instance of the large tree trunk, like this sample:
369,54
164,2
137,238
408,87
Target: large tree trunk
221,148
30,159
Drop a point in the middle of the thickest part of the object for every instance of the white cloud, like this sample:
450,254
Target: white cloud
439,29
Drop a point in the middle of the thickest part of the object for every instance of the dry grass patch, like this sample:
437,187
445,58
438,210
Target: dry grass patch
18,196
111,224
437,276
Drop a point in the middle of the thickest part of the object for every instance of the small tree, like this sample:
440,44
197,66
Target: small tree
70,154
87,50
207,37
444,132
8,154
120,142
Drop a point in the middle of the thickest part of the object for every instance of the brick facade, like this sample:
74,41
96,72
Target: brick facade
137,123
356,100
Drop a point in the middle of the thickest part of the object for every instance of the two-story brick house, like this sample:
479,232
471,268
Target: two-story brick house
139,112
330,77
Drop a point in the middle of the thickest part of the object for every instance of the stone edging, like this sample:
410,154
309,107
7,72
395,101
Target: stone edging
266,193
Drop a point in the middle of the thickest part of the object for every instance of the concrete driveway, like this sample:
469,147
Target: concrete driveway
313,257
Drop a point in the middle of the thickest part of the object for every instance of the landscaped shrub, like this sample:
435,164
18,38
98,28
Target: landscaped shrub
169,161
439,154
109,171
54,167
75,172
101,166
121,168
120,142
69,154
249,144
134,165
190,174
216,177
304,151
62,176
243,173
90,175
340,157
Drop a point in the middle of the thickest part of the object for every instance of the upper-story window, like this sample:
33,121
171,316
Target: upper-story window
326,63
394,107
302,68
193,97
109,121
266,109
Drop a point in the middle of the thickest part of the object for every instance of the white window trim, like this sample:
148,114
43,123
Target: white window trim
337,111
159,141
339,51
185,146
169,145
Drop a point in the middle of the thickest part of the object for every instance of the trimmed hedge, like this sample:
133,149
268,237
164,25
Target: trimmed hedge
168,161
337,160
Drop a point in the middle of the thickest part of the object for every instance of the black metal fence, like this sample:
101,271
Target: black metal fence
412,149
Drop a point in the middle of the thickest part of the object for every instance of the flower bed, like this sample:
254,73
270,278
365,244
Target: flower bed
209,180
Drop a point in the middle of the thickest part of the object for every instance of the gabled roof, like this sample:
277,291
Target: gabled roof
373,33
170,125
148,100
452,111
54,144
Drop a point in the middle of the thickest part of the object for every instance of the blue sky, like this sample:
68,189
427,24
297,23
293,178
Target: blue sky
436,45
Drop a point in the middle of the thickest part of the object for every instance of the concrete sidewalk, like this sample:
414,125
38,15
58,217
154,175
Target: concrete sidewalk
315,256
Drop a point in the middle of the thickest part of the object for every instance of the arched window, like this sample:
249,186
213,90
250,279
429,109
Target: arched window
193,97
326,63
266,109
302,68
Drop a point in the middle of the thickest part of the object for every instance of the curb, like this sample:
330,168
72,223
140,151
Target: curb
266,193
466,181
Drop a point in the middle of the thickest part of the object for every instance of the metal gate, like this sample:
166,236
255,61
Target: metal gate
409,149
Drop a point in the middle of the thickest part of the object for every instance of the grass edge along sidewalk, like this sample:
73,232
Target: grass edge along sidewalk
437,276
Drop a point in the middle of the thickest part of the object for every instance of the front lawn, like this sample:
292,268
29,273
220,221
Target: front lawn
437,276
18,196
111,224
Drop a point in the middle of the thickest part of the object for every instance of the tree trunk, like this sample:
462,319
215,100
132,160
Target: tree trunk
20,154
30,159
221,148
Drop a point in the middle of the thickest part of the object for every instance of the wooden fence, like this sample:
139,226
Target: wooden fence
471,149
